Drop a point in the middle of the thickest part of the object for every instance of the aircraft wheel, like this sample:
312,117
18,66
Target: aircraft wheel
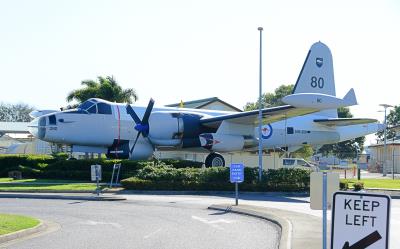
215,160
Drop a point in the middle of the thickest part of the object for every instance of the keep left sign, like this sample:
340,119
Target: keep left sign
360,220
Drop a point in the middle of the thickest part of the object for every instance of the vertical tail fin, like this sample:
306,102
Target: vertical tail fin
350,97
317,76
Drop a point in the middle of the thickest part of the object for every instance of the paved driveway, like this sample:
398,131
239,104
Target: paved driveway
170,223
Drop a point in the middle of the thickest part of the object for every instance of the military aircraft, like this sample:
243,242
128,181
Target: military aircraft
124,131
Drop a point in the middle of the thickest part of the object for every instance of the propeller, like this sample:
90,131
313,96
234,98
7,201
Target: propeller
142,126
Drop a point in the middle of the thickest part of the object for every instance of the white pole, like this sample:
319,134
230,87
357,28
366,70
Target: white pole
384,170
260,167
384,148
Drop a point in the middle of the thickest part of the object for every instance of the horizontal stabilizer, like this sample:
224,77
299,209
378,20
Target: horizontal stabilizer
344,121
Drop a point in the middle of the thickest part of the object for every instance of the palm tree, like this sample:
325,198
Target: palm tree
105,88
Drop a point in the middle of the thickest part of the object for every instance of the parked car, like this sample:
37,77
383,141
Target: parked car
299,163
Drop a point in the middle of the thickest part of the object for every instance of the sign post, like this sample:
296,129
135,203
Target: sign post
324,207
236,176
322,187
360,220
96,176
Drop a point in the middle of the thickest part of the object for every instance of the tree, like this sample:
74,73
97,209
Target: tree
271,99
15,113
393,118
105,88
345,149
304,152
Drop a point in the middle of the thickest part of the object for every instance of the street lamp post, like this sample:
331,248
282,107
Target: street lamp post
260,114
384,170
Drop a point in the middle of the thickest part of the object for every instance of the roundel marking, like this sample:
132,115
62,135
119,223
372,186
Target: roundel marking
266,131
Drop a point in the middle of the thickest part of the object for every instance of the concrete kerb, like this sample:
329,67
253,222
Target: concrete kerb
285,241
23,233
285,225
297,230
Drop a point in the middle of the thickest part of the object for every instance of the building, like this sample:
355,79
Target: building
213,103
392,158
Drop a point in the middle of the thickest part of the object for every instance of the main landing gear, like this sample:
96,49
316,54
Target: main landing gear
215,160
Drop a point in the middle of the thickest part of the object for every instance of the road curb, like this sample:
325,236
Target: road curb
61,197
23,233
285,241
224,193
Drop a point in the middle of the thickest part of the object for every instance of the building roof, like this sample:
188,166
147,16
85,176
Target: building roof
198,104
388,142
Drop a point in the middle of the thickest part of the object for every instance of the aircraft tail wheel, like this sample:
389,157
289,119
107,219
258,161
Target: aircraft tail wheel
215,160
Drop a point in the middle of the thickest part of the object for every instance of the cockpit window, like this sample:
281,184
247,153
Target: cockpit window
85,105
92,109
103,108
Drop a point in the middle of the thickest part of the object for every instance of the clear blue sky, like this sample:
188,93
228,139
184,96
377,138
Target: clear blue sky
173,50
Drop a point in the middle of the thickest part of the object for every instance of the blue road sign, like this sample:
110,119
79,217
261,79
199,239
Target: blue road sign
237,172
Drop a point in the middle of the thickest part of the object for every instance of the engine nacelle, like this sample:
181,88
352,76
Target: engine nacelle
176,129
165,126
222,142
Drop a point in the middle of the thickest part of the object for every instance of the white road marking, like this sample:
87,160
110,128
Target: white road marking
95,223
151,234
213,223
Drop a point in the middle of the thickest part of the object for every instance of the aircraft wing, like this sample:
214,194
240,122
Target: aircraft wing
344,121
269,115
14,127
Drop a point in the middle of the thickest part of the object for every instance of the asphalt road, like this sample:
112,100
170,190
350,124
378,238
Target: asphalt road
140,224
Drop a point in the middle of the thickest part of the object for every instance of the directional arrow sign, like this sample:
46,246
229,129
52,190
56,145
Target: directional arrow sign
365,242
360,220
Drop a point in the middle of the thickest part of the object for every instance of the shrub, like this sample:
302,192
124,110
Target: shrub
344,184
164,177
358,186
182,163
9,161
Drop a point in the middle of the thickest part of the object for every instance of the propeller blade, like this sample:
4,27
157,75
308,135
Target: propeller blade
133,114
133,146
146,115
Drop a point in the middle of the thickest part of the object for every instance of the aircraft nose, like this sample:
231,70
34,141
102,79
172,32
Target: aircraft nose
38,127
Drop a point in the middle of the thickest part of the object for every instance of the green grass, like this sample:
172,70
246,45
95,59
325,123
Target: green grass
11,223
377,183
5,179
7,184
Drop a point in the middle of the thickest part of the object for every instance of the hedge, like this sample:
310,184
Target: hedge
57,167
168,178
155,175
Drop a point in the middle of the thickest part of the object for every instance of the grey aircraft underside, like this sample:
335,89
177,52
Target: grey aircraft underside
125,131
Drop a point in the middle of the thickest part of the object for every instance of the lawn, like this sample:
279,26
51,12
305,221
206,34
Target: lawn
7,184
39,181
378,183
11,223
